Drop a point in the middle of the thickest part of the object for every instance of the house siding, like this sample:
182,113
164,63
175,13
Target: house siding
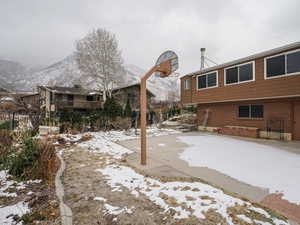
259,88
279,95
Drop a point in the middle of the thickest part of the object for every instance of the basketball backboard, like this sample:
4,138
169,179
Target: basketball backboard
164,57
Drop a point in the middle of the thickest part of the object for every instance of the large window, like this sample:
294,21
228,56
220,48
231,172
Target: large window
186,84
240,73
207,80
251,111
281,65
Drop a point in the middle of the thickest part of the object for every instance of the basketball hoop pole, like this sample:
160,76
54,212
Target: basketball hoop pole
164,68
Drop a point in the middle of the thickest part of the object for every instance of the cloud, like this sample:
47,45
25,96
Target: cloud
43,32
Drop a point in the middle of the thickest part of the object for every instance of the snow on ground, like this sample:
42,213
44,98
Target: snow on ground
121,135
100,199
256,164
5,184
186,199
115,210
20,208
6,212
100,143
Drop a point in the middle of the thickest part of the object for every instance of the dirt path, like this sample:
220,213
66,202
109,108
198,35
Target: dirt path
83,184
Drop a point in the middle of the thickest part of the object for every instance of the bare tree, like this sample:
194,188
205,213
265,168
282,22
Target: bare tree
99,58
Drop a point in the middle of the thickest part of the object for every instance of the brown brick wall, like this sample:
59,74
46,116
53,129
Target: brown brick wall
238,131
260,88
226,114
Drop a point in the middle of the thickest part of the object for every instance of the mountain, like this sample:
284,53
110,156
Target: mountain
11,75
66,73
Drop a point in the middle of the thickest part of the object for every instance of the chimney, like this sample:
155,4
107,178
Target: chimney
202,58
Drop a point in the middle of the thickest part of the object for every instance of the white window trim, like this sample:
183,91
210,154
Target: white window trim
285,74
217,80
184,86
240,82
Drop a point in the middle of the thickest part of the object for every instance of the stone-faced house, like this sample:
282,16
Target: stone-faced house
54,99
31,101
131,92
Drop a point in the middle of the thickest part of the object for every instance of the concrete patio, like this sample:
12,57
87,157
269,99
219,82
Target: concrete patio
163,160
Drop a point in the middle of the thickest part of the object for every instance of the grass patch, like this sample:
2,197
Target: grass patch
31,217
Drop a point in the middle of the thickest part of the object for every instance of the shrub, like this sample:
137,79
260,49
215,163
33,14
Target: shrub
7,125
35,160
6,141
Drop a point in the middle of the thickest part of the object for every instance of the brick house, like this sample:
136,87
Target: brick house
257,96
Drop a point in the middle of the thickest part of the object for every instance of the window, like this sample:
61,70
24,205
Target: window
208,80
251,111
90,98
293,62
70,100
186,84
281,65
240,73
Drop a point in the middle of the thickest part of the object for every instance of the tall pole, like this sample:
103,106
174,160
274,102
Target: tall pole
143,111
165,68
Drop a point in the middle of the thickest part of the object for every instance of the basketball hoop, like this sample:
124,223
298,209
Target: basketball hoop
165,57
165,66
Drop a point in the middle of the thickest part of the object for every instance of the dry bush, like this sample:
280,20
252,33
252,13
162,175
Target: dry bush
5,138
85,138
47,162
8,107
120,123
6,141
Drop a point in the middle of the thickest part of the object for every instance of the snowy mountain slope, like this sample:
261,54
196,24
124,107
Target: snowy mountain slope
66,73
11,74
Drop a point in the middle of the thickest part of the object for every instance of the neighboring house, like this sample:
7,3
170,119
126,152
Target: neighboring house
31,101
3,92
10,104
54,99
131,92
261,91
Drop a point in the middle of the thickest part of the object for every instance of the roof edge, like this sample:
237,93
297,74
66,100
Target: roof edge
248,58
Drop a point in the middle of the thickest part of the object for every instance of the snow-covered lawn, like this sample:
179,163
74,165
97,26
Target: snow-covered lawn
182,199
256,164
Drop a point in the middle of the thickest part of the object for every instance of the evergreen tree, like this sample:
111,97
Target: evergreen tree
111,108
127,110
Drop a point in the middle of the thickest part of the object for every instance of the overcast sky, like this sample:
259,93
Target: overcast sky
36,32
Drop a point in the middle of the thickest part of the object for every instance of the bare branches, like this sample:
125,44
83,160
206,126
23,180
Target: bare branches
98,57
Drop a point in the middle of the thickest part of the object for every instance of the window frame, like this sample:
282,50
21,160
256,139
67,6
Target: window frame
238,65
217,80
189,84
250,112
285,66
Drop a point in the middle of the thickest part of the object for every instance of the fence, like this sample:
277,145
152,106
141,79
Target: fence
11,120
